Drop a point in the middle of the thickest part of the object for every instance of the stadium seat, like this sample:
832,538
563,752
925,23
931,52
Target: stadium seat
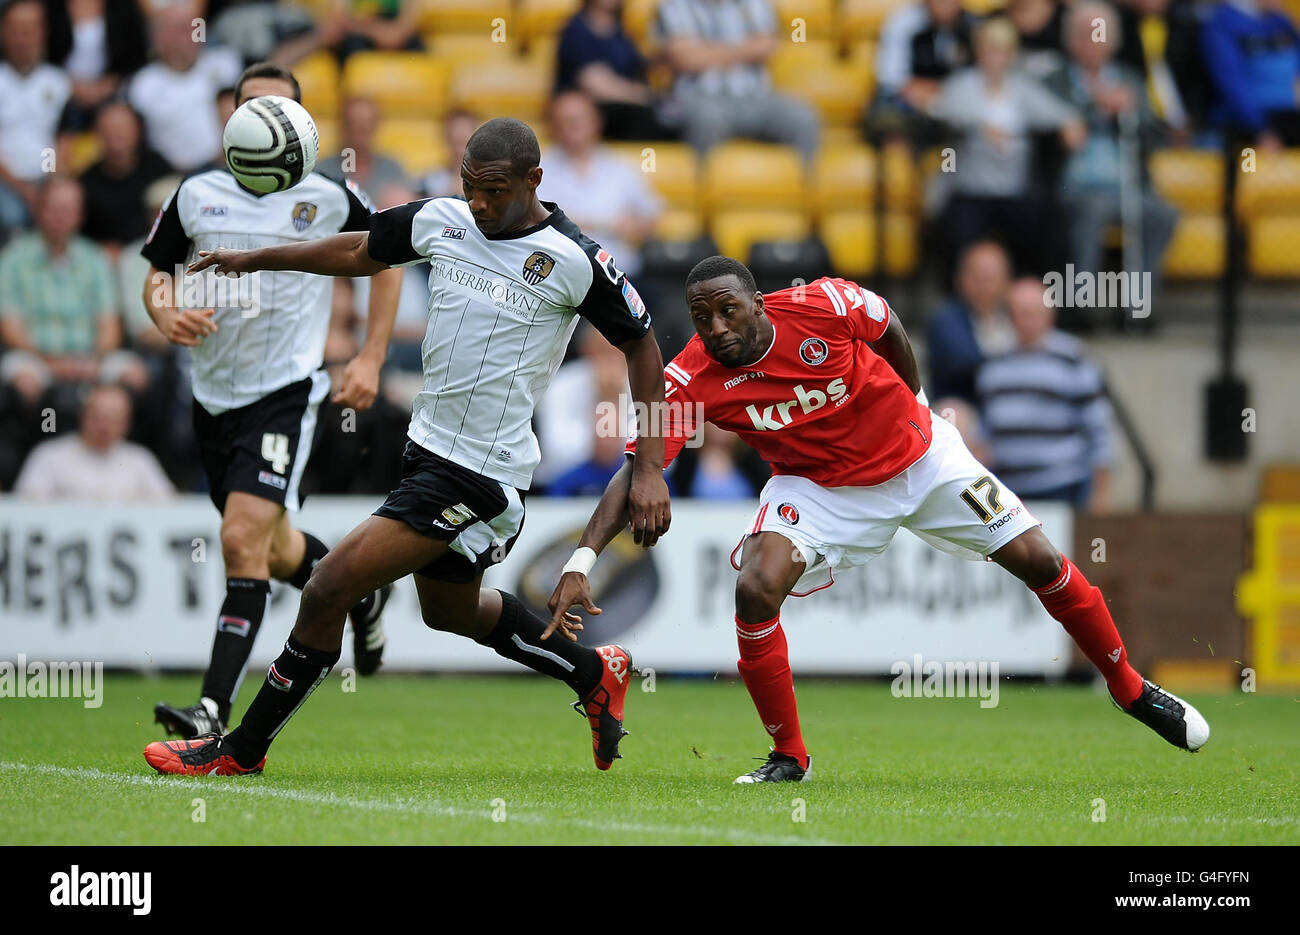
455,51
1273,188
902,181
541,51
844,178
417,144
639,21
837,88
741,175
508,89
82,152
318,76
1272,252
1190,179
403,84
679,224
850,238
817,15
900,244
983,7
438,17
672,168
1196,251
736,231
862,19
328,132
784,263
540,18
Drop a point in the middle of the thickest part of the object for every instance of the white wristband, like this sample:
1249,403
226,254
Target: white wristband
582,560
920,398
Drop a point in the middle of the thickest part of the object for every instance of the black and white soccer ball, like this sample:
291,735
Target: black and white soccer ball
270,143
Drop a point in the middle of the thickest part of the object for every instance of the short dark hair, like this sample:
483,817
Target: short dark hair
506,138
267,70
715,266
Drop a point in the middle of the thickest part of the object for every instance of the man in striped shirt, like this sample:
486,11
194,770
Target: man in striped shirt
1045,409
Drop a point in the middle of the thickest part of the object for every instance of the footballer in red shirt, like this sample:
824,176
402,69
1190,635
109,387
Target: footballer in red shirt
821,381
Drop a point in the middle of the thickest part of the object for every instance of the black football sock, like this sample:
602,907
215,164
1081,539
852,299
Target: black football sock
237,626
290,679
518,636
314,552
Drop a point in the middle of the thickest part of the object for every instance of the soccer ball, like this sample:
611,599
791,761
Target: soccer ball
270,143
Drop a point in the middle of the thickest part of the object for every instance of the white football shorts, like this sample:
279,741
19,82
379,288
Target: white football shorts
946,497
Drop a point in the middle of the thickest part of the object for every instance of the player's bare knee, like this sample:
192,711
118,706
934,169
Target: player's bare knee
242,545
757,597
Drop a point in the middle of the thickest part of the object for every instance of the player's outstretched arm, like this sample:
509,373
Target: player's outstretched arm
345,254
896,349
608,519
648,504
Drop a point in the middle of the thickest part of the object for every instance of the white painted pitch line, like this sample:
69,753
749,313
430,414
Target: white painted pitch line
431,807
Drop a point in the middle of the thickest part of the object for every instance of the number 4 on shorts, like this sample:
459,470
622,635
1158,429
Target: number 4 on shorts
275,449
971,497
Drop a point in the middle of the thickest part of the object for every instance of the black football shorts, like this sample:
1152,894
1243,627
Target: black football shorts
262,448
479,517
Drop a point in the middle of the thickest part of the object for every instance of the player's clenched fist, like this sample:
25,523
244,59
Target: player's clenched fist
574,588
186,326
649,508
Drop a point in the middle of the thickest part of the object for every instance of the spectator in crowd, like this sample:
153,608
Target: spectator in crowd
263,31
576,165
718,51
589,478
114,186
226,105
921,44
1045,409
99,44
58,318
357,160
33,95
973,325
597,57
97,462
996,109
369,25
456,131
1252,51
1160,40
1039,25
175,93
717,474
1110,96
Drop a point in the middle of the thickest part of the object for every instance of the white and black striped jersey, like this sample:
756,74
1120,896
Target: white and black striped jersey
278,338
501,310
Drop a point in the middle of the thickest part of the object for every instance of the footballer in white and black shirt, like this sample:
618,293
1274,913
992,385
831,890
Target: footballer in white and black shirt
510,276
256,372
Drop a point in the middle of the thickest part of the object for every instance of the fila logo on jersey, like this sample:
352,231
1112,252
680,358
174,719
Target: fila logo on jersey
814,351
789,513
304,212
236,625
605,260
272,480
278,681
213,211
457,514
537,267
454,233
778,416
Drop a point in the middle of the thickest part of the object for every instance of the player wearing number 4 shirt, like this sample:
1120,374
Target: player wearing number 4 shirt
510,275
258,383
821,381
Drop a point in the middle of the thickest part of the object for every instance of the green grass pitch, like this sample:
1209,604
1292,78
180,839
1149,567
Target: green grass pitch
429,760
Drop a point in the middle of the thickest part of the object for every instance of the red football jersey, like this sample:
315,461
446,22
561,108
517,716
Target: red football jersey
820,403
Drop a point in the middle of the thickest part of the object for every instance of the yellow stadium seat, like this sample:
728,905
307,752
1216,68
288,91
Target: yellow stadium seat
844,179
671,168
318,76
850,239
900,244
817,18
1272,188
328,132
837,89
509,89
902,181
863,19
679,224
454,51
1190,179
639,21
541,51
740,175
479,17
403,84
538,18
417,144
81,152
1272,251
735,232
983,7
1196,251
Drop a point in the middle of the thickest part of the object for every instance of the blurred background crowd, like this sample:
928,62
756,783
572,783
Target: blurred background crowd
946,153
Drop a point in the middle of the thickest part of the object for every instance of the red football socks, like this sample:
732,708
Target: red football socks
765,668
1080,608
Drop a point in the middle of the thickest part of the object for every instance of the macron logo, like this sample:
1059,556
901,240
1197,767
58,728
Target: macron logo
772,418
